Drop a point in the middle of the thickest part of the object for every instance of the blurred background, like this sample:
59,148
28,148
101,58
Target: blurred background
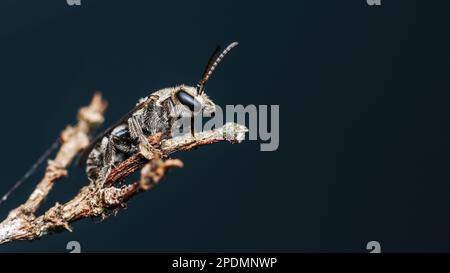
364,120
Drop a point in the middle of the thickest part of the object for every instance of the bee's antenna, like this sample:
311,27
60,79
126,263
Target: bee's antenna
33,168
214,60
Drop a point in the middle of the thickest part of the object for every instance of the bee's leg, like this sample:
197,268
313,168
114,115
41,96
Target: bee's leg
172,110
136,132
95,161
108,159
93,164
193,127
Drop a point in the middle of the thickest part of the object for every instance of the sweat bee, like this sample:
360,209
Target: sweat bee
154,114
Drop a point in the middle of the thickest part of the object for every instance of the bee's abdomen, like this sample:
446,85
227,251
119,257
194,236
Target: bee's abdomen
112,149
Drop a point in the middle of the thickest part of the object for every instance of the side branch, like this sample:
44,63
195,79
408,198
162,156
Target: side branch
73,139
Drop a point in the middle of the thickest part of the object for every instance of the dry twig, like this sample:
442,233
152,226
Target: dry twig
91,201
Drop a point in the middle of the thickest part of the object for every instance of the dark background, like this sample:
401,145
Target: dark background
364,130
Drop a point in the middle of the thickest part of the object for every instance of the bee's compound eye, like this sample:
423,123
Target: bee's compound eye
188,100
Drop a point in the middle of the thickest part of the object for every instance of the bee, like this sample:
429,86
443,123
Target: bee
154,114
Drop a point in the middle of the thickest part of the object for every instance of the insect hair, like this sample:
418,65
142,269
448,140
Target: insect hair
32,170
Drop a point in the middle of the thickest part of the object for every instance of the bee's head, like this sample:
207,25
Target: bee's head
190,102
193,100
